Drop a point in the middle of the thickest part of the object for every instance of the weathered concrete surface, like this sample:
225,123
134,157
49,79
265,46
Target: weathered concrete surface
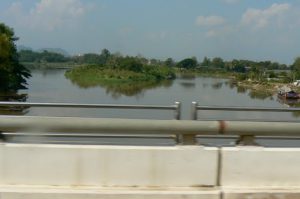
261,194
16,192
108,166
258,167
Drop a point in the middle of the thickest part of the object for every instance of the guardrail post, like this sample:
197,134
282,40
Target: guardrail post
177,110
194,114
177,116
188,139
2,138
246,140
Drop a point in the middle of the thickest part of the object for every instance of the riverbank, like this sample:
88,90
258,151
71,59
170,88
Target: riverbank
266,87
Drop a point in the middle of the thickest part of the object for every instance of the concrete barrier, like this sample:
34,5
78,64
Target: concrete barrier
106,193
108,166
117,172
257,172
260,167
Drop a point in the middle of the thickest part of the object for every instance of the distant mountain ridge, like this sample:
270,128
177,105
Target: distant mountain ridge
52,50
55,50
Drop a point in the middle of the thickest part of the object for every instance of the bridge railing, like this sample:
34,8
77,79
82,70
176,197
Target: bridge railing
176,108
188,129
185,130
246,137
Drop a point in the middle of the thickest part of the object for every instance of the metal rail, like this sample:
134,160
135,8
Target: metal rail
195,107
176,107
247,133
78,105
185,131
187,128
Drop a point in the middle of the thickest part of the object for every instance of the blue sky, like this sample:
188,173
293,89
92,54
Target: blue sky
242,29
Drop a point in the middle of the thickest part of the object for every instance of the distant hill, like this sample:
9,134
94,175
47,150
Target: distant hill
55,50
52,50
21,47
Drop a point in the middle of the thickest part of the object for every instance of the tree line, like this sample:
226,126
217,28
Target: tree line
250,69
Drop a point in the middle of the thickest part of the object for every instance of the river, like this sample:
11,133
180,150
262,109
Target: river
52,86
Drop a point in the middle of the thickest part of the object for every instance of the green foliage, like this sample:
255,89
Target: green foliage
94,74
206,62
41,57
130,64
218,62
296,68
118,69
169,62
12,74
188,63
272,74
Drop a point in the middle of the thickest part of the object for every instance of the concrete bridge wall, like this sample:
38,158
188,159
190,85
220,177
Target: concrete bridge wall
82,171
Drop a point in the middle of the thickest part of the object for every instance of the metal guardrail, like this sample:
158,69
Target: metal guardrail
195,108
176,107
247,137
185,130
188,129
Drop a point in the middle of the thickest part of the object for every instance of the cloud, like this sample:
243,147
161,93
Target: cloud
262,18
222,31
48,14
209,20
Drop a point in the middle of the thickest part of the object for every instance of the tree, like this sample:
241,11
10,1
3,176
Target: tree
296,68
188,63
169,62
12,74
104,56
206,62
218,62
237,66
130,63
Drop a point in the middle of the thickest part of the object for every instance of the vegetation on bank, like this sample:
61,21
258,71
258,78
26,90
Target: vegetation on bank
12,74
119,70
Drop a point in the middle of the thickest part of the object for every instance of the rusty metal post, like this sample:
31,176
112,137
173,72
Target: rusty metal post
189,139
246,140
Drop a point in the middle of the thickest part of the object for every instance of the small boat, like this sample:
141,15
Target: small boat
288,93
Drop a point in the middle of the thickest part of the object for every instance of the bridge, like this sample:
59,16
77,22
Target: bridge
182,169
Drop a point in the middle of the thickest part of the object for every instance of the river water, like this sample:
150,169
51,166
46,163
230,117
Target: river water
52,86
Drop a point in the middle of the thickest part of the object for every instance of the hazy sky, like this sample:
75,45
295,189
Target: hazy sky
243,29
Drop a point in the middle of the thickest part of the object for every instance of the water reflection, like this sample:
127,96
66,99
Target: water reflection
241,89
252,92
13,110
188,85
116,90
295,103
186,76
260,94
217,85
